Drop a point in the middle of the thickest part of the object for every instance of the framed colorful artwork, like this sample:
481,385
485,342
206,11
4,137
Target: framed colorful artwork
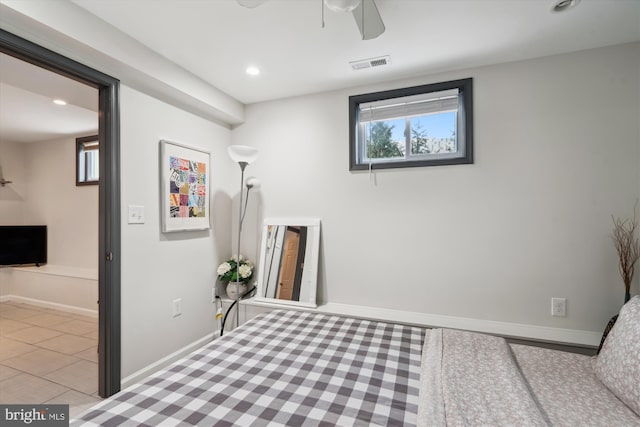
185,174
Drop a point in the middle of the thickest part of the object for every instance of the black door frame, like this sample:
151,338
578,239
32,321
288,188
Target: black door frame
109,196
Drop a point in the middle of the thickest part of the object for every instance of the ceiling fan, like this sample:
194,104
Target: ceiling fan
365,13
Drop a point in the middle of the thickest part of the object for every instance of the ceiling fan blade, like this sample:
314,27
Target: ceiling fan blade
368,19
250,4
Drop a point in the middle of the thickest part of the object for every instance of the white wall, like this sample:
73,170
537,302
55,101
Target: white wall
44,192
12,196
58,287
556,154
69,211
160,267
156,267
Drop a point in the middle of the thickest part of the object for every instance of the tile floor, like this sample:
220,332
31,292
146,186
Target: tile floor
48,356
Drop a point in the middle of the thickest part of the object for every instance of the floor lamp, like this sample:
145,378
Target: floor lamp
243,156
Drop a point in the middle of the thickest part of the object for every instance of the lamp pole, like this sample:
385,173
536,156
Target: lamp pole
243,155
243,165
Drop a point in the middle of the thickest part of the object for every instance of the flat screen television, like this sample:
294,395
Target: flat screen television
23,245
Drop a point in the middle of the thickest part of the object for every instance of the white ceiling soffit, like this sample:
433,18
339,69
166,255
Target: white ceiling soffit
27,111
74,32
218,39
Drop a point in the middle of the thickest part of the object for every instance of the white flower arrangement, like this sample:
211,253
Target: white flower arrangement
224,268
228,271
245,271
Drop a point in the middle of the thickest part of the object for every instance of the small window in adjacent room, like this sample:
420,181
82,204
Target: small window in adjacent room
87,160
426,125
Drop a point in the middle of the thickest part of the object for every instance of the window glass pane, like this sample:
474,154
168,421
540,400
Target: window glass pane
82,176
92,165
384,139
434,133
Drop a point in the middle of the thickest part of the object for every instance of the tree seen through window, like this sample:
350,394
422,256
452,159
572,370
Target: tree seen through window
432,134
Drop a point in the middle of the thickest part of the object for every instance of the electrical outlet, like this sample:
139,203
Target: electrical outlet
177,307
559,307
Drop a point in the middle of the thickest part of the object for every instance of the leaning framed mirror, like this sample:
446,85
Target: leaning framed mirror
288,268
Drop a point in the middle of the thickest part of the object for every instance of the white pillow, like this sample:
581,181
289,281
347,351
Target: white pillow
618,364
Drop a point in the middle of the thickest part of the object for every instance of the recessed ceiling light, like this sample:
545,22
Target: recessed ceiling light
60,102
253,71
562,5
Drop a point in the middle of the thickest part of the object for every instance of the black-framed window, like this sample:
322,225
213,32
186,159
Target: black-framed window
427,125
87,160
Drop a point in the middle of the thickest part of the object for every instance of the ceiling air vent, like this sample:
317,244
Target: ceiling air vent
370,63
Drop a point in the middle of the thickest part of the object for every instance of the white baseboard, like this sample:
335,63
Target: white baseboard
61,270
52,305
513,330
166,361
506,329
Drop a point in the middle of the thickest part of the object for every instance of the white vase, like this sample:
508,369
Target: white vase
232,289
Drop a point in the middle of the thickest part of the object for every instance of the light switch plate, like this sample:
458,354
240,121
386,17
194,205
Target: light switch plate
135,214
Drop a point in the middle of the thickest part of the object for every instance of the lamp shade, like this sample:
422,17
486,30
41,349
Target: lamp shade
243,153
342,5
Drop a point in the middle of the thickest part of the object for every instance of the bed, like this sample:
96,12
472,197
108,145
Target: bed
282,368
309,369
470,379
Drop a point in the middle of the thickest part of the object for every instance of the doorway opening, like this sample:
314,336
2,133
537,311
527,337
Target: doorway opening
108,198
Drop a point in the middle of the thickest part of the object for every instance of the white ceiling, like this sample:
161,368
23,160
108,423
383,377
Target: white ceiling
217,39
27,111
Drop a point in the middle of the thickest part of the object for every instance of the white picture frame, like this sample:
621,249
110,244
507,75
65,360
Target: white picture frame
185,180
